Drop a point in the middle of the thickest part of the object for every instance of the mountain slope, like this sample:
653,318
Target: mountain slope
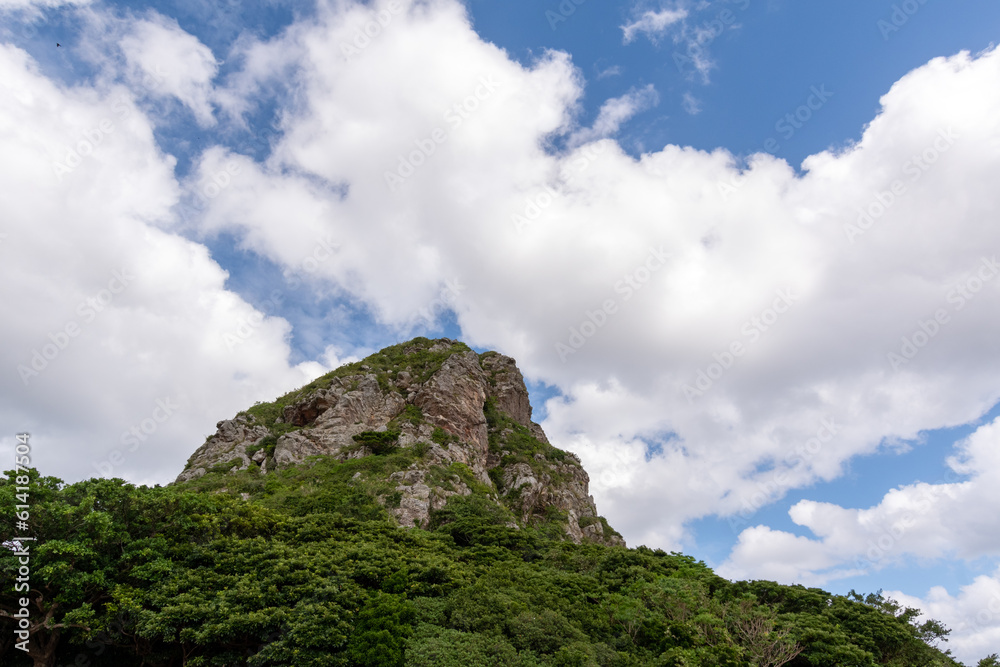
281,546
450,421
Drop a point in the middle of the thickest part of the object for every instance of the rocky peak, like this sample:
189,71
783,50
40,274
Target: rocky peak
455,423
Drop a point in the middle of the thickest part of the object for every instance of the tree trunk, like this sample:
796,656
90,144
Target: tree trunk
43,652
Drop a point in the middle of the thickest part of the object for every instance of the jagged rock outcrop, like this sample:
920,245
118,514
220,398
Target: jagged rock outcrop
450,407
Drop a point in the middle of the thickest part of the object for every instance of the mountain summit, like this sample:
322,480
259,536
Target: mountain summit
416,425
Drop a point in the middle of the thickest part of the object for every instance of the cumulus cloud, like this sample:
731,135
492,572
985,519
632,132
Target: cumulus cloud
747,317
116,355
973,615
948,519
721,333
653,24
167,61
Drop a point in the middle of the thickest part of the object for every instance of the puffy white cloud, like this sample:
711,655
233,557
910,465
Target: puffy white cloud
973,615
813,279
952,518
116,355
721,335
653,24
167,61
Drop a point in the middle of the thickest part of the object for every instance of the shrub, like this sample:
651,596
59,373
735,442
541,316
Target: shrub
379,442
442,437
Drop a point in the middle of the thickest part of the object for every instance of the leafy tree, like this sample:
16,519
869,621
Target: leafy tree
311,571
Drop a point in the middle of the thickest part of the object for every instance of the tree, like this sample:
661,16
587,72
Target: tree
68,563
754,628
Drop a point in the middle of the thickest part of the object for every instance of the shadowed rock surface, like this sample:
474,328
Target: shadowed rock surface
464,417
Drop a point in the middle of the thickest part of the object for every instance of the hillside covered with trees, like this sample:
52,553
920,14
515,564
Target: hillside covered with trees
400,511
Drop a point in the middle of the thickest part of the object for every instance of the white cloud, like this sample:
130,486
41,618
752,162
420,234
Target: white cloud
952,518
973,615
166,60
476,207
14,5
542,242
108,315
614,70
693,27
615,112
653,24
691,104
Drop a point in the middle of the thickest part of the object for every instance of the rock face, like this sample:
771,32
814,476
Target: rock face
459,411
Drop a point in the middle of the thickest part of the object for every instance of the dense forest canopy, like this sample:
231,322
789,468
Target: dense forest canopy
304,568
263,562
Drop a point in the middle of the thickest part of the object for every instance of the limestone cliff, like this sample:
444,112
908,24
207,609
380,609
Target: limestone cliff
464,418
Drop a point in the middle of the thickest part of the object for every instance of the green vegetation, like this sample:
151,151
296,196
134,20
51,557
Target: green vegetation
412,415
267,443
442,437
378,442
413,356
311,571
506,435
305,566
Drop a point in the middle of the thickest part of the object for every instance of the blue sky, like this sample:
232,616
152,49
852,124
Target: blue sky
613,143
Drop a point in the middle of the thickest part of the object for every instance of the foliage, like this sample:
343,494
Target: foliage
267,443
378,442
411,414
311,571
414,356
516,443
442,437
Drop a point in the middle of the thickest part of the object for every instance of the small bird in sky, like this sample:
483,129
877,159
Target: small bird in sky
58,44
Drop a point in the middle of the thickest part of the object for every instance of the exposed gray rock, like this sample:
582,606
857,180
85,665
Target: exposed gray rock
506,387
229,442
451,398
